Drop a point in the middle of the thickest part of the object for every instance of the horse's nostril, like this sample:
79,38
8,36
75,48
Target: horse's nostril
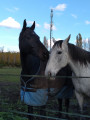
50,76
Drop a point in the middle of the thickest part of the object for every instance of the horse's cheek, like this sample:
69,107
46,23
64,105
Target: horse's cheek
64,60
58,59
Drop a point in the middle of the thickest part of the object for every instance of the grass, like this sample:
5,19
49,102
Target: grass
10,93
10,70
10,78
9,84
10,116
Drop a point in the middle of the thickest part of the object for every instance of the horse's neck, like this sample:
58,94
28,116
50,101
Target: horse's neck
80,69
30,65
23,59
42,67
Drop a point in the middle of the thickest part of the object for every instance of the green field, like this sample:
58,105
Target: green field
10,93
10,74
10,70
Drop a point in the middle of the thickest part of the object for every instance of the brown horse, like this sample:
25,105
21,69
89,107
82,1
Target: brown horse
34,57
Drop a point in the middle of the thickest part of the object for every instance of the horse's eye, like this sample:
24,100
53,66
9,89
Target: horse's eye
59,52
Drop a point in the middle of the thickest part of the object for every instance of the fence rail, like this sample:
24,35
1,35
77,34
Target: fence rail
43,76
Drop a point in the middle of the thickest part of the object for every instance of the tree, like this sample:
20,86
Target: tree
88,44
84,44
79,40
45,42
2,49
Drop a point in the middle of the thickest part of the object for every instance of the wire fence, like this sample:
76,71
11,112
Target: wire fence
8,91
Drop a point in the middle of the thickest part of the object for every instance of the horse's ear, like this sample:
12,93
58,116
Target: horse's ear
67,39
33,26
65,42
53,40
24,25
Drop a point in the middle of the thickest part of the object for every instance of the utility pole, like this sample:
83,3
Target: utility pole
51,26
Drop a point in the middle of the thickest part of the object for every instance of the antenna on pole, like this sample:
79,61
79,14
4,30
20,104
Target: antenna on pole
51,26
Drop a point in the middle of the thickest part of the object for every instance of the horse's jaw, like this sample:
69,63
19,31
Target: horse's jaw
75,67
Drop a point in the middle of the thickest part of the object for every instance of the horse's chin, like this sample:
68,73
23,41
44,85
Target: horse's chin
50,75
52,78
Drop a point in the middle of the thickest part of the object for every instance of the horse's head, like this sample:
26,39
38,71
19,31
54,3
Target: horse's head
29,42
59,57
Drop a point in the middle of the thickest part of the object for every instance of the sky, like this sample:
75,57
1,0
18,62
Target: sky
69,17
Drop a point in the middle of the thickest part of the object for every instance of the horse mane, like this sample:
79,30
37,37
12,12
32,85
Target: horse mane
58,43
76,53
79,54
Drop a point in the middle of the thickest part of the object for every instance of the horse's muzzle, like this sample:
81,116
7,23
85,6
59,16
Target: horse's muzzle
49,75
